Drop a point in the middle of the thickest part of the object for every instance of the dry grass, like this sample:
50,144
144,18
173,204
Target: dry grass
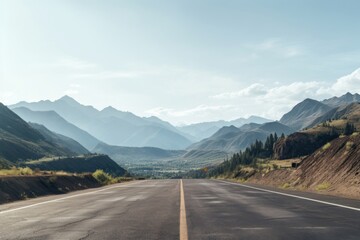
323,186
17,172
285,186
326,146
284,163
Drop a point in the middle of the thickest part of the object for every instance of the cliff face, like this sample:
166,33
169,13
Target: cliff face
300,144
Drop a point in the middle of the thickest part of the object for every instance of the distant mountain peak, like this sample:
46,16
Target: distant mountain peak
68,100
109,109
342,100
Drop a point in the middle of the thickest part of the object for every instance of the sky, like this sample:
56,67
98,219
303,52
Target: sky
184,61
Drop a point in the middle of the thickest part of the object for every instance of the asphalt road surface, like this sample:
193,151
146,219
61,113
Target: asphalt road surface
188,209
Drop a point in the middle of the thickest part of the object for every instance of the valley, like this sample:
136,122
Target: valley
189,120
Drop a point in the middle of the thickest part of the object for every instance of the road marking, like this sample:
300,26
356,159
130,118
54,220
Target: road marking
183,223
294,196
72,196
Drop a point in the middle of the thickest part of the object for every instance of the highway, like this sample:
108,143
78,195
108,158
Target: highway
182,209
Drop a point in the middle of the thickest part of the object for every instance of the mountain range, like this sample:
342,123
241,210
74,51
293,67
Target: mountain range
31,144
232,139
204,130
304,113
108,125
20,142
56,123
91,127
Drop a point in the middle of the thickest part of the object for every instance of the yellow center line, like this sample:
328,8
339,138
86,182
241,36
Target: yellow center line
183,223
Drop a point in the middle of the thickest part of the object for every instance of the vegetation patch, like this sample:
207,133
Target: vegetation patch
322,187
326,146
349,145
285,185
105,178
14,171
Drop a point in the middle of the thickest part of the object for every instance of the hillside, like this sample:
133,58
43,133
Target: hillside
336,165
54,122
302,143
20,142
113,126
204,130
323,129
232,139
64,142
304,113
333,168
338,116
80,164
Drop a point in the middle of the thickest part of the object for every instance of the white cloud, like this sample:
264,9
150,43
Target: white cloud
255,89
274,101
348,83
199,110
278,47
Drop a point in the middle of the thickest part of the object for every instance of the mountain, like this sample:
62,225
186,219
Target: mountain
344,113
20,142
64,142
113,126
55,123
304,113
343,100
204,130
233,139
322,130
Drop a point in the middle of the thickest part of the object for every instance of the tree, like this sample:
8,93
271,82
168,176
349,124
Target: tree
349,129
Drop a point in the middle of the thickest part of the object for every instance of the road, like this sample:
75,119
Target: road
204,209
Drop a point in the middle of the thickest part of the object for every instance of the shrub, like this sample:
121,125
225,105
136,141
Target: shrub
26,171
103,177
326,146
322,186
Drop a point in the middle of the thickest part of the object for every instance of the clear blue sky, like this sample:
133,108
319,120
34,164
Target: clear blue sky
184,61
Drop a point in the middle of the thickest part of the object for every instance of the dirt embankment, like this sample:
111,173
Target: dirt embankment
332,169
23,187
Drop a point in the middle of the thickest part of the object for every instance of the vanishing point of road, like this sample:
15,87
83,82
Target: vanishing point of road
182,209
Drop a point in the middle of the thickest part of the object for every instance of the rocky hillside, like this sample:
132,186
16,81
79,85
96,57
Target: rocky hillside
324,129
301,144
334,168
